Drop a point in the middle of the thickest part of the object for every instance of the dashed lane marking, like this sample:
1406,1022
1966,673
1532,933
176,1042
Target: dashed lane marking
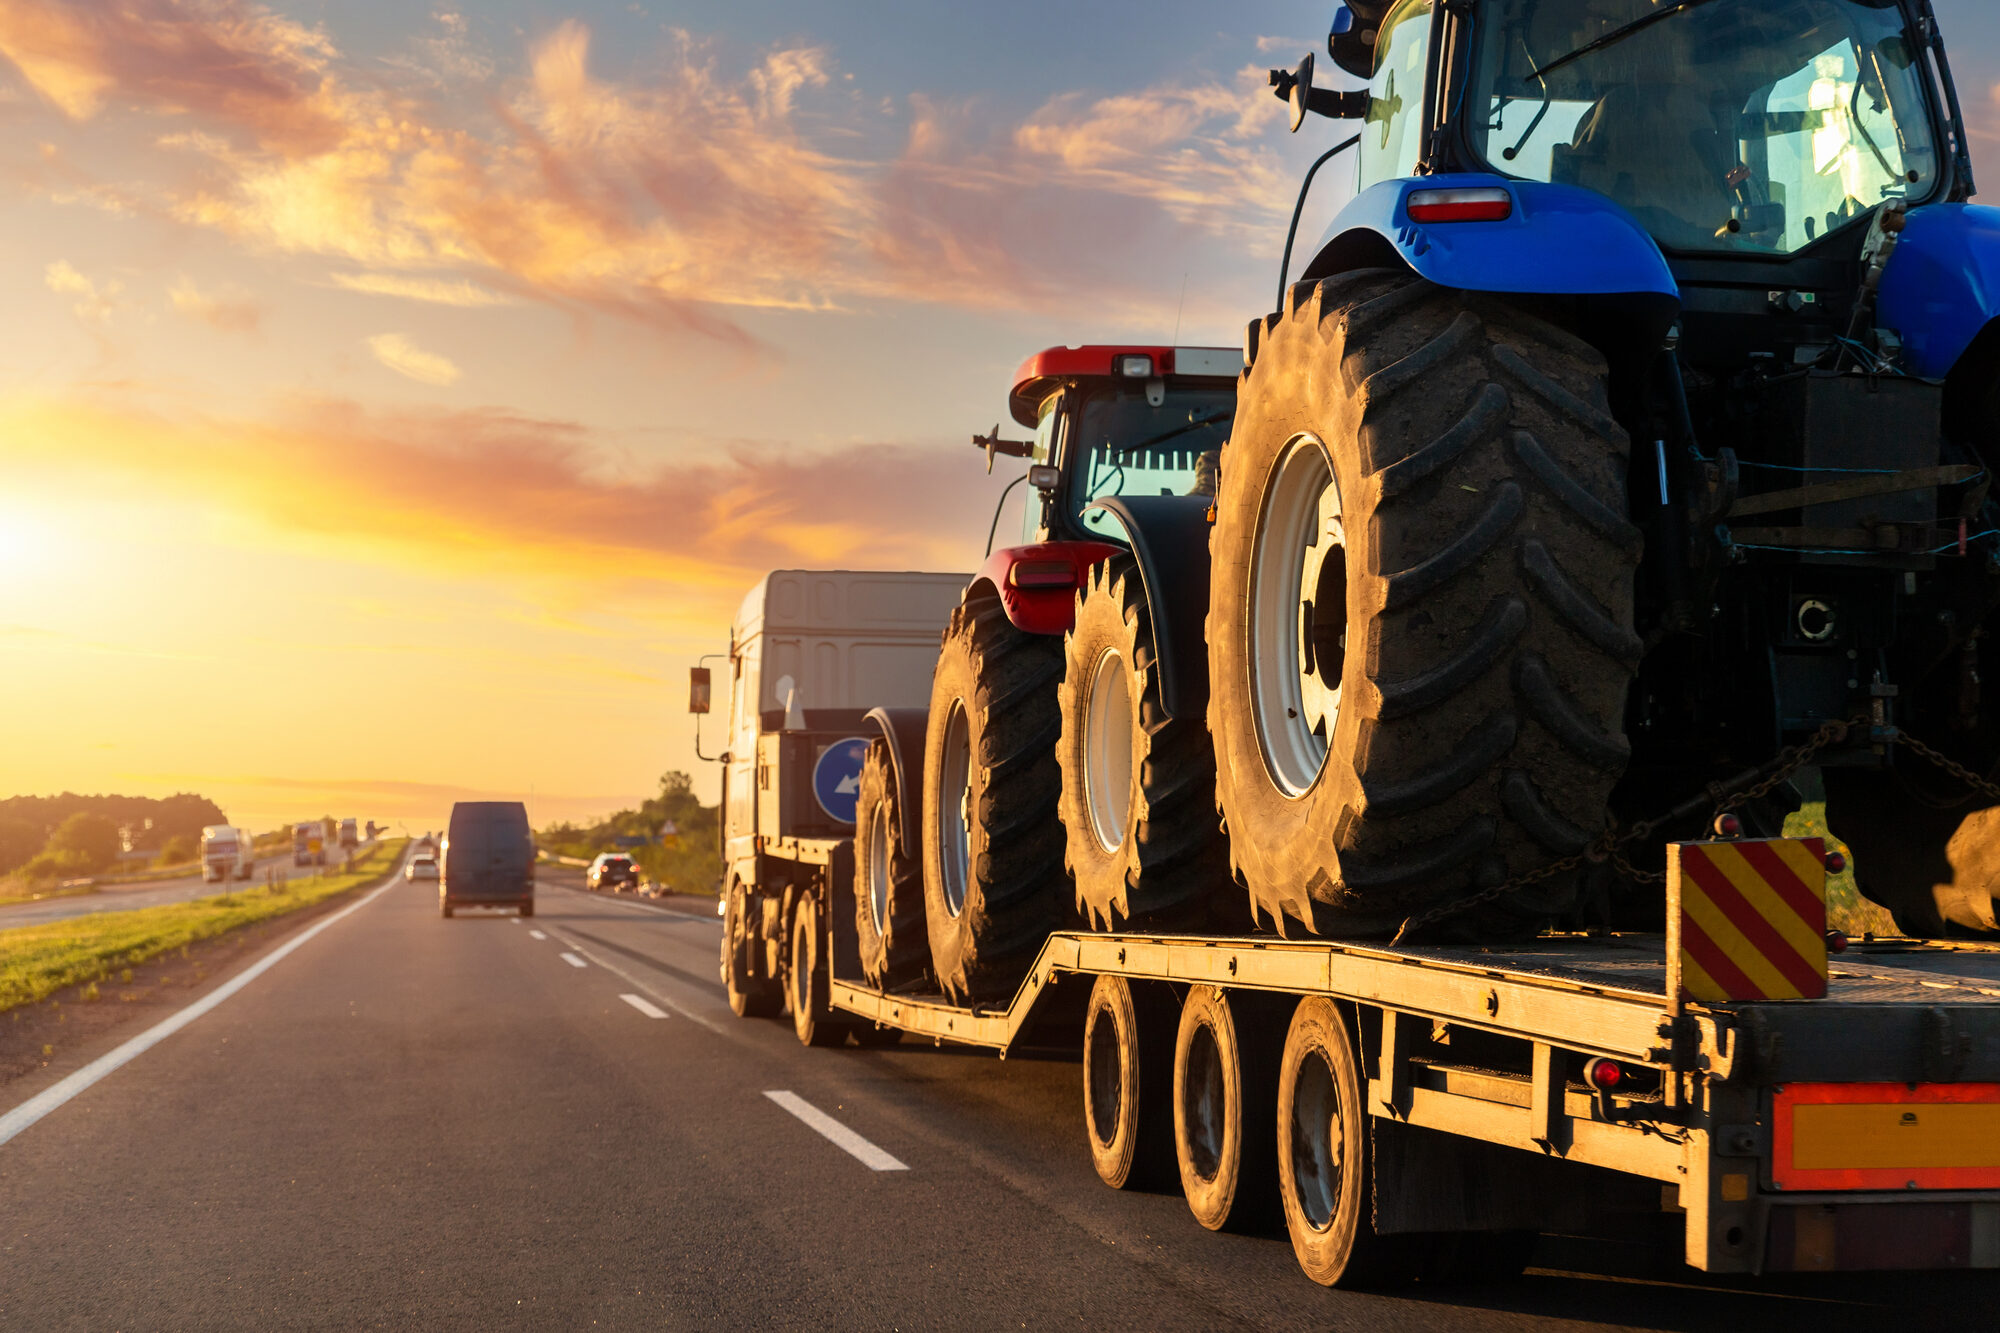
535,934
836,1133
574,961
28,1112
644,1006
627,977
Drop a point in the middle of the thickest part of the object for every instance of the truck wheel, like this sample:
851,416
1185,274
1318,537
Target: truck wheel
806,980
527,909
1323,1144
1128,1083
994,887
1142,841
750,995
1225,1075
1420,634
888,881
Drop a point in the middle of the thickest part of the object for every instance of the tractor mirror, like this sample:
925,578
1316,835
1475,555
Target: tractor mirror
698,690
1302,90
1343,21
1044,476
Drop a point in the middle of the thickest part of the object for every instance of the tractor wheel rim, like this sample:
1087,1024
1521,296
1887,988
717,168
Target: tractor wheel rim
955,816
1107,750
878,869
1298,616
1318,1143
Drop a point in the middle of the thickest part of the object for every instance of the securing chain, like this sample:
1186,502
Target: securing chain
1971,779
1752,786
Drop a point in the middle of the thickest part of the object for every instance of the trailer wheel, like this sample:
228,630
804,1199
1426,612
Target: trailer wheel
994,887
750,996
1323,1149
1137,787
527,909
1225,1072
806,981
1128,1082
1420,628
888,881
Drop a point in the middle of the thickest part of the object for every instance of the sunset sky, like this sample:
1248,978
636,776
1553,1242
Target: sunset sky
395,400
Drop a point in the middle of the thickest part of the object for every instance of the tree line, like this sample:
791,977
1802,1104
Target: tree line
688,859
57,837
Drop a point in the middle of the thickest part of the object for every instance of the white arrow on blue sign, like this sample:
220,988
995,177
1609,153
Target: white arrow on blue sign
837,778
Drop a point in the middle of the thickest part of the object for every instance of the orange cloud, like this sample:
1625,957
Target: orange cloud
526,500
218,59
667,202
228,311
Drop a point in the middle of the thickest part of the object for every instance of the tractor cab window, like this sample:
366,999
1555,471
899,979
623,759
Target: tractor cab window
1746,126
1124,445
1392,137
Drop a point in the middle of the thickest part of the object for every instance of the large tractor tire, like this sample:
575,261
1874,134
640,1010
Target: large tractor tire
1420,633
994,887
1143,847
888,881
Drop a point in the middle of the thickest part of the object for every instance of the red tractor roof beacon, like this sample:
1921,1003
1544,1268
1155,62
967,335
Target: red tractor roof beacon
1047,371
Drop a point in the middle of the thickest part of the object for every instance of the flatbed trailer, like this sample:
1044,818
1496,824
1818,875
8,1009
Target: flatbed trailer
1860,1130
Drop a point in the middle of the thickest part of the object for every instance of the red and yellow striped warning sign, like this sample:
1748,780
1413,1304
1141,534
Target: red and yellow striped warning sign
1749,919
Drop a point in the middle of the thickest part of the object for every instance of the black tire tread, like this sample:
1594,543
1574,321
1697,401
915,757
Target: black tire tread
900,956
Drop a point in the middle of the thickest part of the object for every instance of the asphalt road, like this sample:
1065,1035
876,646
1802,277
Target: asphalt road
152,893
411,1122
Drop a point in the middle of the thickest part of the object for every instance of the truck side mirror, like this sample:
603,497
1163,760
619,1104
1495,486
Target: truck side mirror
698,690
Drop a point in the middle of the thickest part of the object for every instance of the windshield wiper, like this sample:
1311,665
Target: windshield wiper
1177,431
1615,36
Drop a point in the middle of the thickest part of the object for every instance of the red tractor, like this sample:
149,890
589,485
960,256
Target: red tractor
1072,681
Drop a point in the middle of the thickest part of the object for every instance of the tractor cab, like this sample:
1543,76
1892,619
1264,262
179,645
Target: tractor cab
1118,421
1114,427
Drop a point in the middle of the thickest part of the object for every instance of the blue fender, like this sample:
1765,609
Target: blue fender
1169,539
1559,241
1942,286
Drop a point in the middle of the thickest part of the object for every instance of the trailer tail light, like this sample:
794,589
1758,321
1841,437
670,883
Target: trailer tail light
1042,574
1136,367
1835,863
1836,941
1483,204
1604,1075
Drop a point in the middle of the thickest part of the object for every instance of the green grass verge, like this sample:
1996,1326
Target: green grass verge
37,961
1846,909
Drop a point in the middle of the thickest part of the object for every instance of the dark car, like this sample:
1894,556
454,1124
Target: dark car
614,871
489,858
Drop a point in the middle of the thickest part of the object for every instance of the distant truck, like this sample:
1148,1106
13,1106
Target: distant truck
489,858
226,853
350,835
308,844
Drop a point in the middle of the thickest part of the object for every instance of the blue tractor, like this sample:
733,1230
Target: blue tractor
1621,451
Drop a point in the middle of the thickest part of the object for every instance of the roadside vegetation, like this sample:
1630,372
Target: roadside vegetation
686,860
37,961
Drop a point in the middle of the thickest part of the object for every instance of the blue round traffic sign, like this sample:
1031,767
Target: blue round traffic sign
837,778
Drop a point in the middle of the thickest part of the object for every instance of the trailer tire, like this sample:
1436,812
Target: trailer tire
1141,842
1420,624
1128,1084
806,981
888,881
1325,1161
1225,1076
750,996
994,888
527,909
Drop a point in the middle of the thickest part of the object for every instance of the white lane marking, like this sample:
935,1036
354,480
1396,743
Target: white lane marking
665,999
574,961
47,1100
534,934
515,919
838,1134
644,1006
